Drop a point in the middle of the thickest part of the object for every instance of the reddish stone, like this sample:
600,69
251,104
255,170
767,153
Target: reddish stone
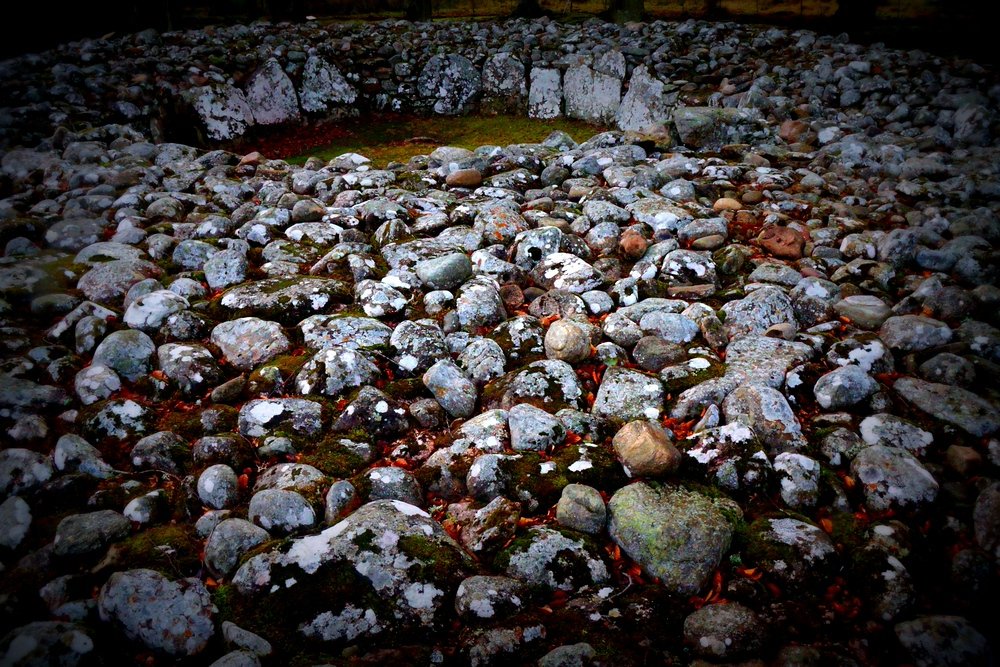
512,296
792,130
781,242
464,178
632,243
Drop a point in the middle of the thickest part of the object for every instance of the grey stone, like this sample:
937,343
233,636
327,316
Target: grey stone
954,405
175,617
581,508
893,478
532,429
82,535
678,536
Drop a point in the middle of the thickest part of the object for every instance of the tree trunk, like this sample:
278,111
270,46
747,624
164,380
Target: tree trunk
529,9
418,10
624,11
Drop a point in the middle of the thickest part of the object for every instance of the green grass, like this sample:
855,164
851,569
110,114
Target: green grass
398,138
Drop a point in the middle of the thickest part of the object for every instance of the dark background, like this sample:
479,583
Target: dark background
959,27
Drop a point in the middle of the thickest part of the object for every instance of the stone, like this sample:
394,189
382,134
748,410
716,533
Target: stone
783,242
626,395
581,507
221,110
554,560
15,519
954,405
565,271
401,596
280,511
270,95
677,536
504,87
892,431
248,342
710,128
545,93
84,535
758,311
532,429
913,333
335,370
480,598
22,470
645,107
646,450
567,340
893,478
452,81
174,617
218,487
799,477
986,520
943,641
591,95
797,554
150,311
47,643
723,631
767,412
446,272
323,86
580,654
844,387
452,388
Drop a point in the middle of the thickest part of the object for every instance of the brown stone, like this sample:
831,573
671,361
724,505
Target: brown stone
512,296
252,159
464,178
632,243
963,460
645,450
752,197
791,131
781,242
726,204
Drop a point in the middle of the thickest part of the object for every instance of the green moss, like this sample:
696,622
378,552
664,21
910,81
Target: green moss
173,550
433,562
388,138
276,373
333,458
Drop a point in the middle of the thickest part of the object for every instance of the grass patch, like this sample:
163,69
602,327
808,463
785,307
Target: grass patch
396,138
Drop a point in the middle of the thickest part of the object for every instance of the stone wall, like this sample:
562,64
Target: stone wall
218,84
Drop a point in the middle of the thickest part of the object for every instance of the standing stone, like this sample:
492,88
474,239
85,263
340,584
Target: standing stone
323,86
221,109
645,107
504,87
271,95
591,95
452,81
545,93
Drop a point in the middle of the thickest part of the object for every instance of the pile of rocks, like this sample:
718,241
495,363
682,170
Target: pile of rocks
548,402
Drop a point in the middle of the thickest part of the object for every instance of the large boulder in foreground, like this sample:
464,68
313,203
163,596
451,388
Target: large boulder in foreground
172,617
387,568
676,535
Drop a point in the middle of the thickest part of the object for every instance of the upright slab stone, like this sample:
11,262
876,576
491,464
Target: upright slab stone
504,85
594,94
645,107
323,86
452,82
222,110
545,94
271,95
